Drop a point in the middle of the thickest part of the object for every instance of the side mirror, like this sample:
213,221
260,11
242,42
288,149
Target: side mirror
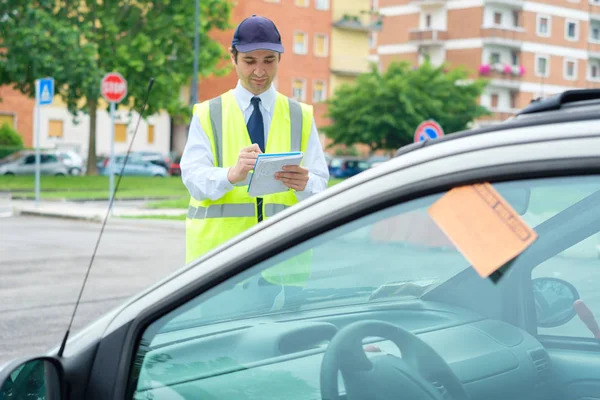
38,378
554,301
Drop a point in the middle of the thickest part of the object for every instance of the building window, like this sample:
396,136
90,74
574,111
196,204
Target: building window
299,89
120,133
55,128
544,26
300,43
572,30
8,119
319,91
321,45
516,18
595,70
497,18
514,55
150,134
322,4
373,40
513,99
570,69
542,67
428,21
302,3
596,33
494,100
495,58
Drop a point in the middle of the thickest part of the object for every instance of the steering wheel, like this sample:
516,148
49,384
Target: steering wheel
386,376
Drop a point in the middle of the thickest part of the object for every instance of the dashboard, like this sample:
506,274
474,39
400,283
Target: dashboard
280,356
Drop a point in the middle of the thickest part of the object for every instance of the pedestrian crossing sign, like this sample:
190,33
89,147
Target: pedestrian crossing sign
45,91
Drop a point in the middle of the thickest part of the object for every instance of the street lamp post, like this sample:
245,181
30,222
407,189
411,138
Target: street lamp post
194,91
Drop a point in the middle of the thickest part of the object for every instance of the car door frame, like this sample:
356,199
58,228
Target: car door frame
114,354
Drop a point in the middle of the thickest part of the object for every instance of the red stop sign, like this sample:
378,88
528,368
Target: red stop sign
114,87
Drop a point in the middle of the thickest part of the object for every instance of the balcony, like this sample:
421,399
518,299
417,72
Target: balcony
430,3
428,37
498,115
502,71
515,4
510,37
358,24
594,46
349,65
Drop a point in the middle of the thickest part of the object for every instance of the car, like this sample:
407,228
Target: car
23,163
175,167
73,161
155,157
391,306
345,167
135,166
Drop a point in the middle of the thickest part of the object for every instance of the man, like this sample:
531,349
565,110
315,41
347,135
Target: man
227,134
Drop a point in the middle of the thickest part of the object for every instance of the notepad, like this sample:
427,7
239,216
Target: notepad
263,180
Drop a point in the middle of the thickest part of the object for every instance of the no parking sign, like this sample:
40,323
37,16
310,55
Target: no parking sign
428,130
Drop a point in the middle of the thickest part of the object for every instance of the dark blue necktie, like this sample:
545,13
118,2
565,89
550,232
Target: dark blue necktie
256,130
256,127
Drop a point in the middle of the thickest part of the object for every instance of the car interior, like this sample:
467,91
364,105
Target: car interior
393,310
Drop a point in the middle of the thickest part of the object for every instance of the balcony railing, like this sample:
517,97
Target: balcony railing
502,71
428,35
506,36
431,3
356,23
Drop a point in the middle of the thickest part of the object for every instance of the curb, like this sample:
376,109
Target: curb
58,215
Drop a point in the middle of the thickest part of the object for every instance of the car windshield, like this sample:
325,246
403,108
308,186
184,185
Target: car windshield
397,253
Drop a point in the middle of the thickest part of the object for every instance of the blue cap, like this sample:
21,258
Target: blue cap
256,33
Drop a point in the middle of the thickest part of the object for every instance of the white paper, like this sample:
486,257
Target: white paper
263,180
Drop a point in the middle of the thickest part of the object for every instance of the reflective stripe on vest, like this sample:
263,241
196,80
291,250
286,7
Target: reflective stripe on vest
232,210
216,119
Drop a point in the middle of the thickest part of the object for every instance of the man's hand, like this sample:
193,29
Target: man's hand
293,176
245,163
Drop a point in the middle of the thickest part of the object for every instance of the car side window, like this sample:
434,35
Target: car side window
576,267
29,160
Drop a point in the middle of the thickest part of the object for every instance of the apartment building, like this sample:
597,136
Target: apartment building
527,49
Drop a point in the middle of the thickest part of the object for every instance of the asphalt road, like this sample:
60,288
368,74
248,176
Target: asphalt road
43,262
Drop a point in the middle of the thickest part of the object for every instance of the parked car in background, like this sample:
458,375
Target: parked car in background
174,167
155,157
345,167
23,163
377,160
136,166
73,161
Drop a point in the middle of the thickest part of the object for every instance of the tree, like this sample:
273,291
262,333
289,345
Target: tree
383,110
78,41
10,141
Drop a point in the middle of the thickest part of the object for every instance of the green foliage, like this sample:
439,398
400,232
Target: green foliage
78,41
10,141
383,110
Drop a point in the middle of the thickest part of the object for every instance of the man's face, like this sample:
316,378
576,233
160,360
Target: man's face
256,69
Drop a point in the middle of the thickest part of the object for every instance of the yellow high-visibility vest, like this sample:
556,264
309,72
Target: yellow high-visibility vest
210,223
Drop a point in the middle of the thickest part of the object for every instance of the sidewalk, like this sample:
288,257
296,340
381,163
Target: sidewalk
90,211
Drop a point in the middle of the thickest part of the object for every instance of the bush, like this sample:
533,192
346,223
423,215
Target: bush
10,141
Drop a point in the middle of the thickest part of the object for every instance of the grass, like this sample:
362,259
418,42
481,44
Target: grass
170,190
93,187
170,217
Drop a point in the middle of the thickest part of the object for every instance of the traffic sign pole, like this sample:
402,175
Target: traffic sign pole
112,152
114,89
44,94
37,142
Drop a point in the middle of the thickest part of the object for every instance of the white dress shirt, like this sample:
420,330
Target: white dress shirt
203,180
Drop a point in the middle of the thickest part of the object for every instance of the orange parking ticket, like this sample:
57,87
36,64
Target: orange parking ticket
483,226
